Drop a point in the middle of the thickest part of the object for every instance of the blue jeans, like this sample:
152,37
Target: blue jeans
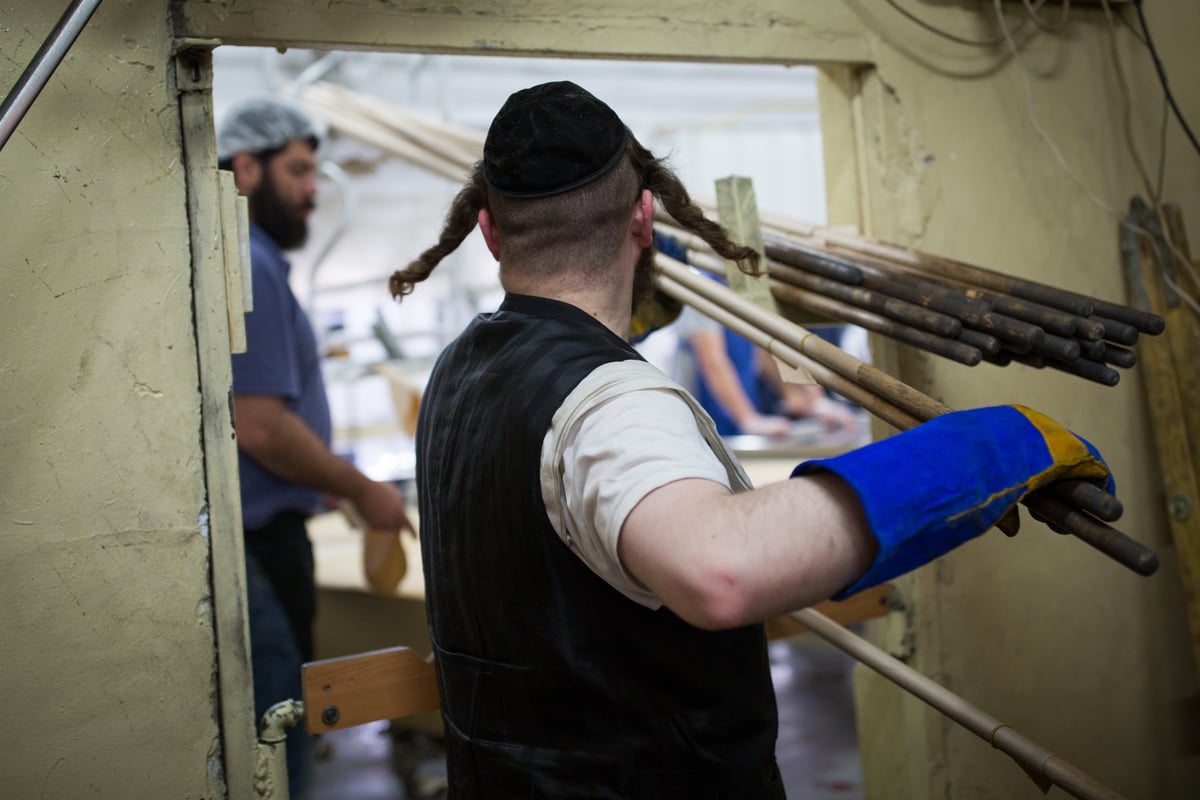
276,658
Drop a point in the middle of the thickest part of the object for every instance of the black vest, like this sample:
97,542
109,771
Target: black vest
554,685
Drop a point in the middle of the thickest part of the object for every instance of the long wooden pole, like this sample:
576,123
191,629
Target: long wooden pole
1052,296
1042,765
821,303
825,376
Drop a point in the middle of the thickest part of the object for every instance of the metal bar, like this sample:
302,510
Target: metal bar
45,61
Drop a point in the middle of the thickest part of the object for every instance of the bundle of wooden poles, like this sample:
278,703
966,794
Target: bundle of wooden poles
953,309
962,312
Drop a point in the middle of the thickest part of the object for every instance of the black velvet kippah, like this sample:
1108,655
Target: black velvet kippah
550,139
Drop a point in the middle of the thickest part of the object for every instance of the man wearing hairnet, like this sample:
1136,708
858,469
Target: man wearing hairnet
281,414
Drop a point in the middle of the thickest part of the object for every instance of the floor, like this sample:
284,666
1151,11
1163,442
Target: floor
817,751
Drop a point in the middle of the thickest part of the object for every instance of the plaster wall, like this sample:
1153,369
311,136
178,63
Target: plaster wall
103,561
1072,650
106,627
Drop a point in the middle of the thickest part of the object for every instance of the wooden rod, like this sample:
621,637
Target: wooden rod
1117,331
997,281
971,312
1141,320
1053,320
1106,539
818,303
902,311
830,266
1044,766
1091,350
986,343
1118,356
912,289
820,373
806,342
1089,370
897,393
1058,347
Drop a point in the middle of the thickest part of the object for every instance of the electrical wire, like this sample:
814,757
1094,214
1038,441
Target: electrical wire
1037,125
1129,25
1049,27
1126,101
1062,162
1116,12
1153,191
1162,75
1162,152
1006,29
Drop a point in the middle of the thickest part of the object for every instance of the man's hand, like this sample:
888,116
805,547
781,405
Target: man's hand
765,425
929,489
381,506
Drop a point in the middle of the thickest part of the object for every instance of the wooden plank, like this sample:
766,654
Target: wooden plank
232,261
1165,404
234,678
765,31
353,690
737,209
1183,328
873,602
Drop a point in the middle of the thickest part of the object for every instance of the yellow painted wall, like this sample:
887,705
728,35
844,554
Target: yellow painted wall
105,623
1081,655
103,562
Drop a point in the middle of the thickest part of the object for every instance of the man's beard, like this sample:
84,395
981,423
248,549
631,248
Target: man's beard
644,275
282,222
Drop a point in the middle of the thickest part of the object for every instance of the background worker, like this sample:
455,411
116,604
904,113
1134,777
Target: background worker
596,567
740,386
737,383
281,414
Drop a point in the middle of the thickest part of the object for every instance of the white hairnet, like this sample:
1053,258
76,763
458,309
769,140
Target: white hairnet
261,124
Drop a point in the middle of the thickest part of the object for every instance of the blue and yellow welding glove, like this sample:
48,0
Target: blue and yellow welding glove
929,489
659,310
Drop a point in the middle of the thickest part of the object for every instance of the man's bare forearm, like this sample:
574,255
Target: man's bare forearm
284,445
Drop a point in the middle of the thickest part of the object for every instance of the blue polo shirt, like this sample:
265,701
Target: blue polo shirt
280,360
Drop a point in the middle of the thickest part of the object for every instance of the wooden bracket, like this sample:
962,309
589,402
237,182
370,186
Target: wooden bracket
353,690
867,604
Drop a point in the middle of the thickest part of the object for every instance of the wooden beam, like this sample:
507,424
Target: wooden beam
764,31
353,690
210,299
868,604
1166,383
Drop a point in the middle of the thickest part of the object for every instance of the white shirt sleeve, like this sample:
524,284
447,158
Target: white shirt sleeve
625,431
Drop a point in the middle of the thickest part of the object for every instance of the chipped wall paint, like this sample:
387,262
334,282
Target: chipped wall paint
1074,651
103,560
105,615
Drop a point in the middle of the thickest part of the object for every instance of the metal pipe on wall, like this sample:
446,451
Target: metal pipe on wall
44,62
